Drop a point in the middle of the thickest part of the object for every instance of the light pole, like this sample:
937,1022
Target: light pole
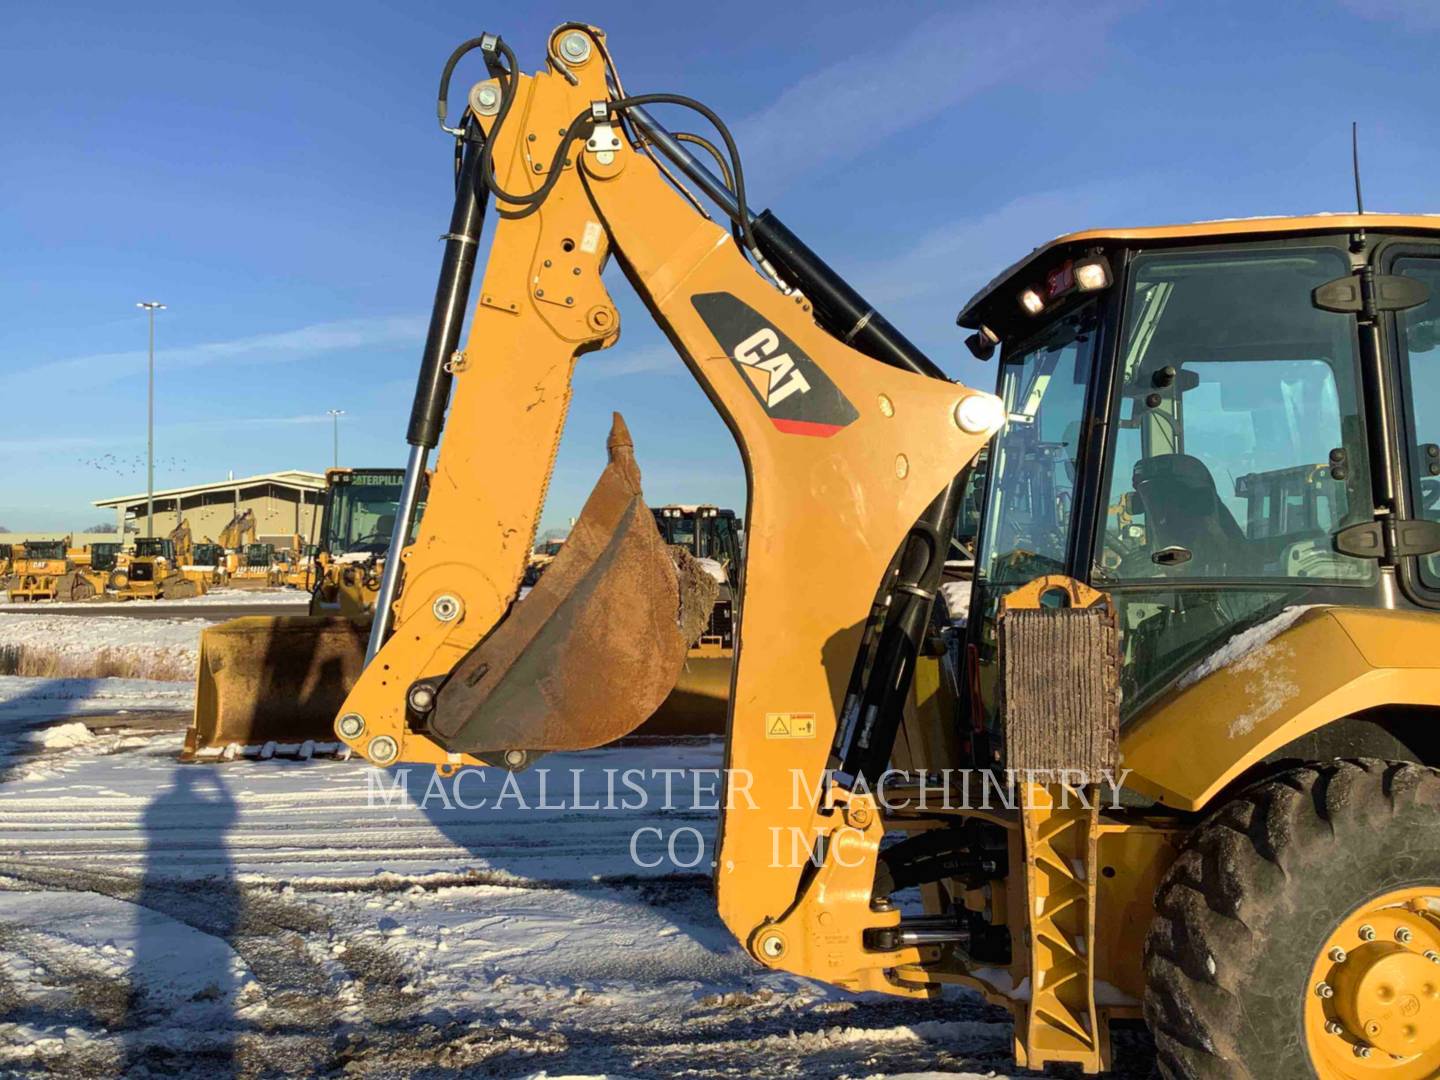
335,415
150,306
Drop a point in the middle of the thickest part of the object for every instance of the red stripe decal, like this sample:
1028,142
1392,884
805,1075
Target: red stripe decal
806,427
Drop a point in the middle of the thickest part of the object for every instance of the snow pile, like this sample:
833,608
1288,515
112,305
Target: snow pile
278,597
64,646
60,736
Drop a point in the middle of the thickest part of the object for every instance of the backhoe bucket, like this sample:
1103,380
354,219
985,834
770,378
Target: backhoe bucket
273,684
596,646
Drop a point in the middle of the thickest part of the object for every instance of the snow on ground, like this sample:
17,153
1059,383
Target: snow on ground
223,595
73,646
26,701
302,917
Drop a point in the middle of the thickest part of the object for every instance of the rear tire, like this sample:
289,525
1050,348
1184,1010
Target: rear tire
1247,908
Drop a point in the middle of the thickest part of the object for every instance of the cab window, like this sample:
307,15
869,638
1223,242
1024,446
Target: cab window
1239,449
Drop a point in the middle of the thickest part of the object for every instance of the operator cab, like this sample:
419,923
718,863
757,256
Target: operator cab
1202,425
360,510
155,547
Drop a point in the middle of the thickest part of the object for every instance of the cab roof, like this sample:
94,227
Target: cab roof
1227,228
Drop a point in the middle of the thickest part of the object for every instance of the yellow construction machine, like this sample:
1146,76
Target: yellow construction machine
355,527
159,568
93,567
1178,762
43,570
207,564
698,701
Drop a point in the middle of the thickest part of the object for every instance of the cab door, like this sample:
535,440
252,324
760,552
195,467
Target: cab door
1414,337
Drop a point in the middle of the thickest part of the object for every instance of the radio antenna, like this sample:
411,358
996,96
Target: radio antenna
1355,165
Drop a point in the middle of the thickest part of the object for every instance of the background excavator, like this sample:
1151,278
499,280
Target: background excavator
1177,764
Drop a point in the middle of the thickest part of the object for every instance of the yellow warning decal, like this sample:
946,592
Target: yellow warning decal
790,725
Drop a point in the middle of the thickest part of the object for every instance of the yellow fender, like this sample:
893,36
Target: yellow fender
1328,664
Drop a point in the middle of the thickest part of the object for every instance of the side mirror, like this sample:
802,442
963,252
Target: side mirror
1389,292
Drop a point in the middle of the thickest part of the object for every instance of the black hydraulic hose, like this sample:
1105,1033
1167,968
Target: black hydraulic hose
442,104
742,217
838,307
452,294
880,683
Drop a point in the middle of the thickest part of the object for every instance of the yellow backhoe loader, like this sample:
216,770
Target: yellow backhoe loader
1177,765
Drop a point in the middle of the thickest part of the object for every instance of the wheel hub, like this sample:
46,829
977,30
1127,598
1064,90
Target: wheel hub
1375,1005
1388,996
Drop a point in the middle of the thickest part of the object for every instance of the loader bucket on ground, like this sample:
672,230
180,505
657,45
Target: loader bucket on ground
701,698
265,679
599,642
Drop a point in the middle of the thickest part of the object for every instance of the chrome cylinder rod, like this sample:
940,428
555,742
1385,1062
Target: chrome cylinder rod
390,580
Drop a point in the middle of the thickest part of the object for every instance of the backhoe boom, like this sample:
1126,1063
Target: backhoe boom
851,451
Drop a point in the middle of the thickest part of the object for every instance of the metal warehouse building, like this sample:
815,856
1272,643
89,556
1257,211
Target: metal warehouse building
284,503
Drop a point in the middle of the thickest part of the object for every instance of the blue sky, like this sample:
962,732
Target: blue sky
273,173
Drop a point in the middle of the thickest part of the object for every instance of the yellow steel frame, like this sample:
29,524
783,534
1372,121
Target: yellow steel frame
827,513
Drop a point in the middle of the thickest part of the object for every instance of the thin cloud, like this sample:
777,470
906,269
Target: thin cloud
284,346
843,110
1411,14
958,258
659,359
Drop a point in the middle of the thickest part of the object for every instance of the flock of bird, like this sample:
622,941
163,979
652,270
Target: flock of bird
130,465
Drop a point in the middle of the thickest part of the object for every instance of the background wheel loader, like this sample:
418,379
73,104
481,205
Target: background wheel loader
697,703
355,527
253,708
1178,763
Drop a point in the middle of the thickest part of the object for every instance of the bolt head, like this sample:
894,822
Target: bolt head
382,750
515,758
1432,956
575,47
445,608
772,946
350,725
485,99
1362,1051
1325,990
1332,1027
1403,936
1337,955
1367,933
422,698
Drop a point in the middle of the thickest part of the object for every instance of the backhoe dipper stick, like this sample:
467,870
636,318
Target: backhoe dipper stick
432,387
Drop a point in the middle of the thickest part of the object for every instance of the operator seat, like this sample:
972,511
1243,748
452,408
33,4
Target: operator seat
1183,509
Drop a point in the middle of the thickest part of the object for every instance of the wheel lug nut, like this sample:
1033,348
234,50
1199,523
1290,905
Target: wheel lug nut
1337,955
1367,933
1325,990
1362,1051
1332,1027
1432,956
1403,936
